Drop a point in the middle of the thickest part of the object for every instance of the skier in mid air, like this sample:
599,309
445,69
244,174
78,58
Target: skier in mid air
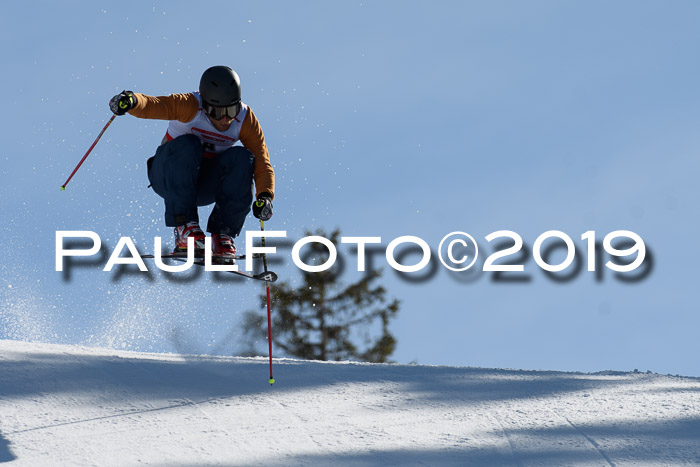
197,163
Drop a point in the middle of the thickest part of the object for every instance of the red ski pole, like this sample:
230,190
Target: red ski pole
269,312
63,187
269,331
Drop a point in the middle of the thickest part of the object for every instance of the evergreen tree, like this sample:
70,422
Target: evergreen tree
324,320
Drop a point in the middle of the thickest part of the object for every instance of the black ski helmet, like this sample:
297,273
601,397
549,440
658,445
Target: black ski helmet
220,86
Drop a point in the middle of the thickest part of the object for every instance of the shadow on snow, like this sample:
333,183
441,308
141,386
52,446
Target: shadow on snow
200,379
5,453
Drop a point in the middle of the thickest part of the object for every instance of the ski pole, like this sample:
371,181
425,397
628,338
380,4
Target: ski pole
63,187
269,313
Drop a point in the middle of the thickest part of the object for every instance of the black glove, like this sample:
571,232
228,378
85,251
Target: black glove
122,102
262,208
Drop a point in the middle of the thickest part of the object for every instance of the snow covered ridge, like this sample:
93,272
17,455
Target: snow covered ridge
64,405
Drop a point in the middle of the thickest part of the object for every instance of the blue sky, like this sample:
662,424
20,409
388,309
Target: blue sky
383,119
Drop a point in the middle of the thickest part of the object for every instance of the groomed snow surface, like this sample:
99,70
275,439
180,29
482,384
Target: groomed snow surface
63,405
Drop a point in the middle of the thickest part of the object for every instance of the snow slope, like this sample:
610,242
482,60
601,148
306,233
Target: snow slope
63,405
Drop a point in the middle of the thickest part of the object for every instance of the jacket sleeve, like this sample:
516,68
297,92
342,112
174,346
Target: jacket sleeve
251,136
182,107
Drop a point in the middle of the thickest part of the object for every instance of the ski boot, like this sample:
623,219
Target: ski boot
182,233
223,248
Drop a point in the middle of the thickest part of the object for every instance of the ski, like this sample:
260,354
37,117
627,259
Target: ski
265,276
196,256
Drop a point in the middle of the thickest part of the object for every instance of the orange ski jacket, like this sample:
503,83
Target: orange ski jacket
184,108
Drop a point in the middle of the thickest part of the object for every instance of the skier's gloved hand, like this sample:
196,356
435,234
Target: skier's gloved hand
262,208
122,102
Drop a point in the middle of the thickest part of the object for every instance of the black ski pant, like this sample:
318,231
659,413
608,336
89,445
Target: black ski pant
185,179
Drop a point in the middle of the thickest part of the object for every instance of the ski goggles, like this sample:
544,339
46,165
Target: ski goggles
217,113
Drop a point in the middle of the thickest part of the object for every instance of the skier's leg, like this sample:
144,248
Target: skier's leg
173,173
235,192
210,174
